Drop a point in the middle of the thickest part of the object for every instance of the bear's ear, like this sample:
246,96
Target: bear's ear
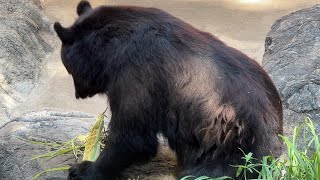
64,34
83,7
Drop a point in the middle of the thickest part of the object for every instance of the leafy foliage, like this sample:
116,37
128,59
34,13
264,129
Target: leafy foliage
301,162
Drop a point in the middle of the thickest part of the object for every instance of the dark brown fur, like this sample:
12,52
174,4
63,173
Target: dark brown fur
162,75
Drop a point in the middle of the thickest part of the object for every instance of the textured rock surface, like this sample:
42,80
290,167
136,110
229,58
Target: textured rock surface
57,126
24,42
45,126
293,61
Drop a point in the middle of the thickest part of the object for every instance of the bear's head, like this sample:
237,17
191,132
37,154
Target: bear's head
80,55
105,40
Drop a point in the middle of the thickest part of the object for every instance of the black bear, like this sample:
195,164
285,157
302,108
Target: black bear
163,76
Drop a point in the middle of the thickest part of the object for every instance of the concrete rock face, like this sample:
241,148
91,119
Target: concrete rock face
42,126
58,126
292,59
25,37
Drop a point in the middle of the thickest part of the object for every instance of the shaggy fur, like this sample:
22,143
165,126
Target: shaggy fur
162,75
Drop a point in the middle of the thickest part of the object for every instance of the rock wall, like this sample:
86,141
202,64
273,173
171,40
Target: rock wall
25,40
292,58
58,126
42,126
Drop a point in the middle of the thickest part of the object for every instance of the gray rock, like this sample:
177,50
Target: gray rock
58,126
43,126
292,59
25,40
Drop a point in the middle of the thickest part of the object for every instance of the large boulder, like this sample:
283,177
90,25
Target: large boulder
58,126
292,58
25,40
41,126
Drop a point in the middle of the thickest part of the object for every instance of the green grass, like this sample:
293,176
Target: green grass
74,146
62,168
302,162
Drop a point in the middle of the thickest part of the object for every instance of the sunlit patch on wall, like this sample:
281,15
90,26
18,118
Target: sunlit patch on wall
255,1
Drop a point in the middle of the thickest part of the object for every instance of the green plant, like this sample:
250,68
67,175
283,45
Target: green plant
302,163
86,145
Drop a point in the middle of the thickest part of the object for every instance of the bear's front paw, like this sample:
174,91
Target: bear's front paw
83,171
